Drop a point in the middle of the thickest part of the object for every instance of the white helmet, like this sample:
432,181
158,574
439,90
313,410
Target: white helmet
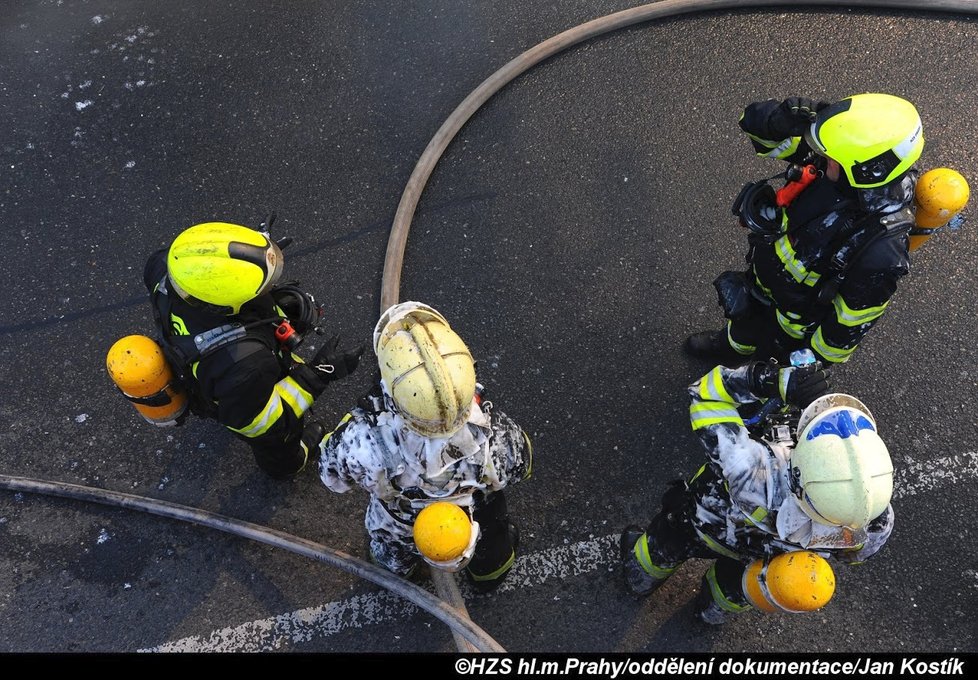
426,367
841,472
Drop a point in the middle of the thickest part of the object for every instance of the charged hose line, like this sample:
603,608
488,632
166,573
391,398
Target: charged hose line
397,241
390,289
415,594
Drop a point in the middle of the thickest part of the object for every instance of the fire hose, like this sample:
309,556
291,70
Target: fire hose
453,616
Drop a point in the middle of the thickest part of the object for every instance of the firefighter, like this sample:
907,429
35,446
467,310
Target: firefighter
228,328
757,498
427,435
825,252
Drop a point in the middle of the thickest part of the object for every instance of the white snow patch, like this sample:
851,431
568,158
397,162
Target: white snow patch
81,418
130,164
98,18
87,83
103,536
83,105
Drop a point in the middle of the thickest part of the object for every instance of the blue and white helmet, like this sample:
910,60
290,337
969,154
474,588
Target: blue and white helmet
841,472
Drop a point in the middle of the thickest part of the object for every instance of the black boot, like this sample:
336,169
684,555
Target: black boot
639,581
489,585
713,346
707,610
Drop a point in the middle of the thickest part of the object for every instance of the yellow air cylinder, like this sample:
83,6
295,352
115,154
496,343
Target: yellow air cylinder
940,195
797,581
138,368
442,531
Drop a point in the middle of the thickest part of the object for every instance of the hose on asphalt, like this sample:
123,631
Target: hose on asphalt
394,259
390,289
415,594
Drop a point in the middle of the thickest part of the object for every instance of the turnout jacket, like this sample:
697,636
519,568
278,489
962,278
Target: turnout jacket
374,449
251,386
791,270
743,504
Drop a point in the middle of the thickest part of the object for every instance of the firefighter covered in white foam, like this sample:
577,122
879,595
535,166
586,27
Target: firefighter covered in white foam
827,491
425,434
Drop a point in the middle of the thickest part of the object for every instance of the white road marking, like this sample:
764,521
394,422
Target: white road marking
530,570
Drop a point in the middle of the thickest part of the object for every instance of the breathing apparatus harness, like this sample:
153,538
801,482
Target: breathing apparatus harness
760,209
182,352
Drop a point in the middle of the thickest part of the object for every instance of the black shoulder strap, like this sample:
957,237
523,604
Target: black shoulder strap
183,351
868,230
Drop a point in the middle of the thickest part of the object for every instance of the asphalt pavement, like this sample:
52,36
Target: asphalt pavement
570,234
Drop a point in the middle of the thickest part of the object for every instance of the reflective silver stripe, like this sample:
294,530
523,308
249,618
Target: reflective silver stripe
712,389
907,144
780,149
298,399
794,330
707,413
265,419
738,347
848,316
794,266
833,354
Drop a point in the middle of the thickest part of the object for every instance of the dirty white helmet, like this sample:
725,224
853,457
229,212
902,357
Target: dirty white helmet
427,368
841,471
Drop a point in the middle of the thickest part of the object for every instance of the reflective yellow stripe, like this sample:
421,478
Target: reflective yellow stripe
712,389
718,596
716,547
264,420
786,253
641,551
496,574
698,473
342,422
739,348
298,399
792,329
757,516
705,413
833,354
848,316
781,149
529,454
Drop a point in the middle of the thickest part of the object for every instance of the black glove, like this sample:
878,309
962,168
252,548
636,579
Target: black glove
794,385
332,363
312,435
794,115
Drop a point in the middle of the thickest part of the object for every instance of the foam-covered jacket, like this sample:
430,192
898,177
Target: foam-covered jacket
744,506
374,449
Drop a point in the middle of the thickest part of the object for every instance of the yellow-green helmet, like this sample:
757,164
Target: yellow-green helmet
841,472
427,368
220,266
874,137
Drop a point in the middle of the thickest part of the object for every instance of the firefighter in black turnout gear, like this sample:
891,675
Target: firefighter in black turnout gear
228,328
825,250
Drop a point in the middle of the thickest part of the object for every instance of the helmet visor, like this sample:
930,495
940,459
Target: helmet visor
268,259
